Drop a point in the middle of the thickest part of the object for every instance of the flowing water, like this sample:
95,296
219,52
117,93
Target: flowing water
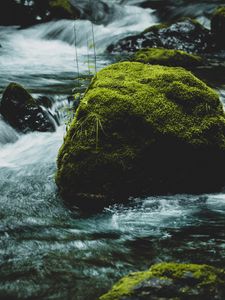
48,251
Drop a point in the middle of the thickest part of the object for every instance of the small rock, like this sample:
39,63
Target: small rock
218,27
23,112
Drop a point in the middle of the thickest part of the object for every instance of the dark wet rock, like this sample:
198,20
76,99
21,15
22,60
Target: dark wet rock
167,57
26,13
186,34
143,129
45,101
62,9
12,13
171,281
170,10
74,100
218,27
47,106
23,112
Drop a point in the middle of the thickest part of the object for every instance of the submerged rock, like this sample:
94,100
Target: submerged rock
186,34
23,112
218,27
171,281
167,57
46,104
143,129
45,101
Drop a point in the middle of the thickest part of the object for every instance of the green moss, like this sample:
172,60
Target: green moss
62,6
129,115
193,20
203,274
155,28
220,12
172,58
182,278
125,286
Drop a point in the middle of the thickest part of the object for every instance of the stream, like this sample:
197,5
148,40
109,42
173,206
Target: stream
48,251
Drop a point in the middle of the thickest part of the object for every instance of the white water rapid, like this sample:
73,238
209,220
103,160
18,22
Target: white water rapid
48,251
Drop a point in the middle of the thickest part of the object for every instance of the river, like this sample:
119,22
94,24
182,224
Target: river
48,251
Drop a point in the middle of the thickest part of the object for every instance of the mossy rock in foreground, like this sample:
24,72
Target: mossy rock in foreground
166,57
218,27
142,129
171,281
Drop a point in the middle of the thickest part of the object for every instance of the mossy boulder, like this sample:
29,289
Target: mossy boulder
23,112
143,129
185,34
171,281
218,27
167,57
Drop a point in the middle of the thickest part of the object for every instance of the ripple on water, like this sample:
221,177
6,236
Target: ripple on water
54,251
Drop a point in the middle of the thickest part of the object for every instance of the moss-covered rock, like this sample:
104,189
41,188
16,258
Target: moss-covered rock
185,34
166,57
143,129
23,112
218,27
171,281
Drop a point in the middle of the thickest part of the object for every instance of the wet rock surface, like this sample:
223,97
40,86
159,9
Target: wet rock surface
186,34
218,27
23,112
26,13
170,10
168,57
